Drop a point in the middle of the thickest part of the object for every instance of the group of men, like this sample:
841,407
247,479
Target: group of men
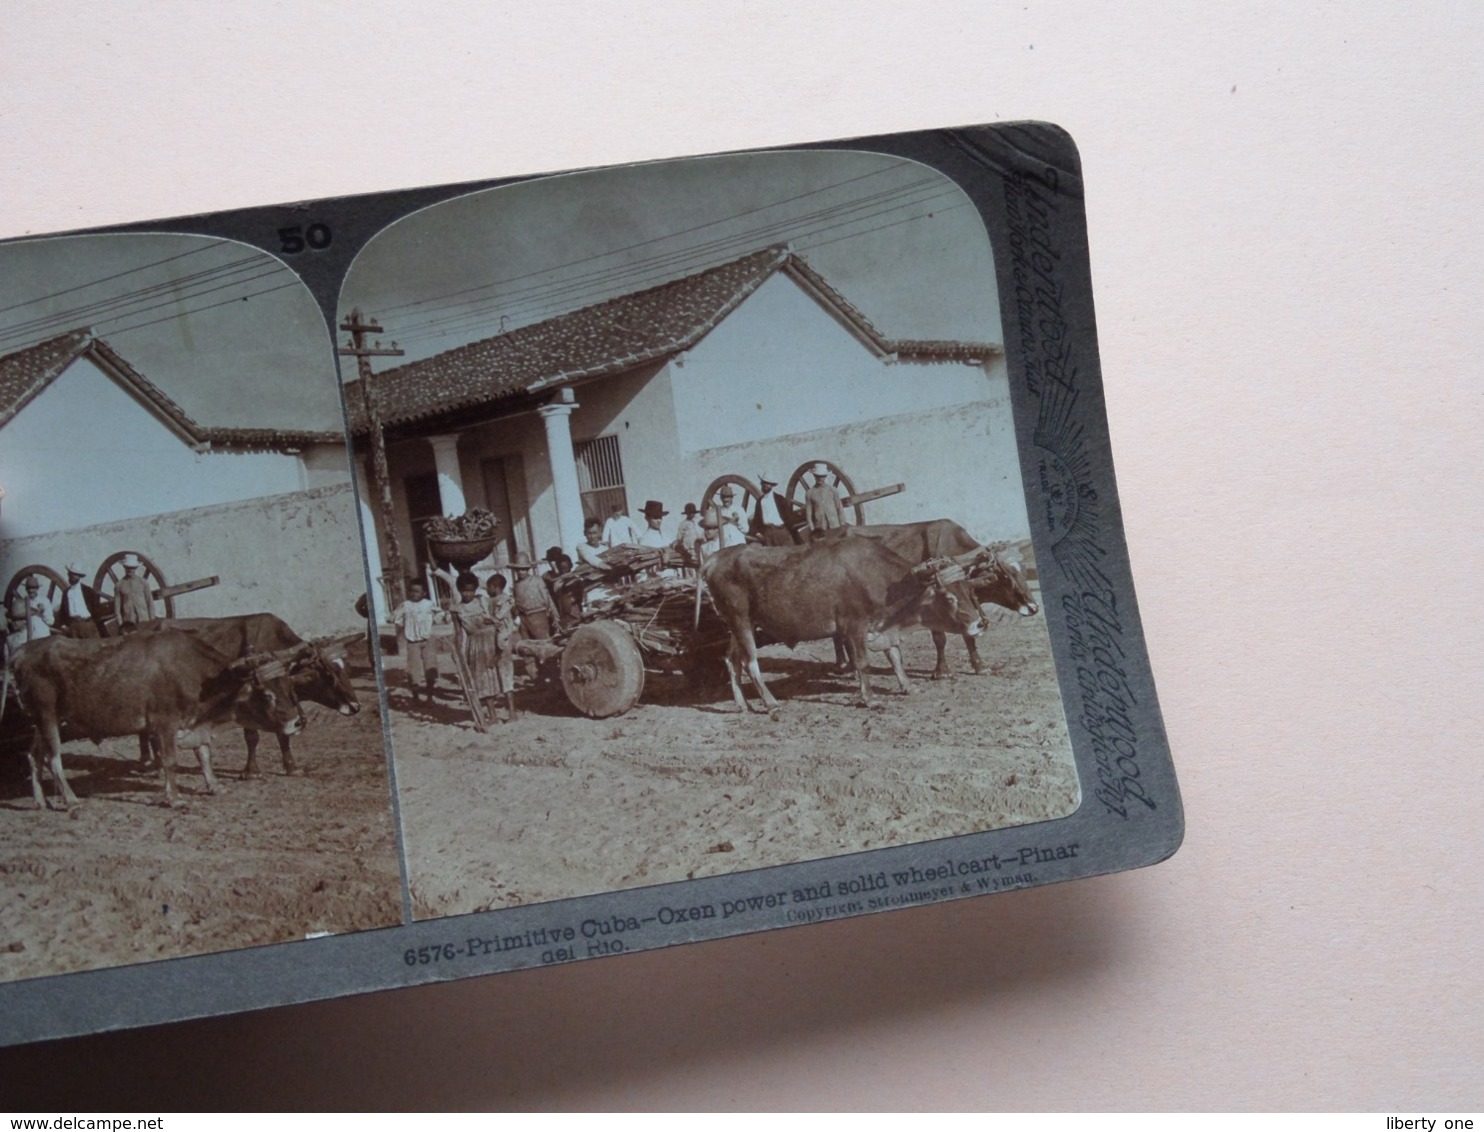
78,611
726,521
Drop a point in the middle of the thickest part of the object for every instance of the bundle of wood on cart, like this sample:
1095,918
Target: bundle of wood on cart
634,559
662,615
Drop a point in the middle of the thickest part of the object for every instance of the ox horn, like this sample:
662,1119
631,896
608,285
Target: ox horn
260,666
273,665
940,572
971,558
333,648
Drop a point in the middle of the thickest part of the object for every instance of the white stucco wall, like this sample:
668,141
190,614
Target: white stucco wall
297,555
781,383
781,364
957,463
86,452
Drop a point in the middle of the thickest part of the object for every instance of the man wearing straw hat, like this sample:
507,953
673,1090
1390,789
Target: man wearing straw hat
132,597
822,508
30,614
79,613
770,518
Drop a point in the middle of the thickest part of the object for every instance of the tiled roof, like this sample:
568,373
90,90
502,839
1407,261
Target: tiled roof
611,337
25,373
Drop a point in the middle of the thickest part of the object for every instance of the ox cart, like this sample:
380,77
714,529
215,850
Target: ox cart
106,578
852,502
105,583
664,625
654,625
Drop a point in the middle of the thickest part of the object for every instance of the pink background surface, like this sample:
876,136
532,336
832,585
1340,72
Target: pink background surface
1283,202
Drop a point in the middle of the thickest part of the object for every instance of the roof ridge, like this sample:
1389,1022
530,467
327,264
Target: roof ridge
512,336
157,398
613,335
26,372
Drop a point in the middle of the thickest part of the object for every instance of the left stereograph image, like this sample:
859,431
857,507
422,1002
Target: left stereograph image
191,755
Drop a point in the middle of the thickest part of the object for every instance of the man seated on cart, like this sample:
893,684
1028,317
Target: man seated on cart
566,589
654,538
593,570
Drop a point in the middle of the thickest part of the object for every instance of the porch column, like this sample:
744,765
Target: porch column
450,478
563,470
372,539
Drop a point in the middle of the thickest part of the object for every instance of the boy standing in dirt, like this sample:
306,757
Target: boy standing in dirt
414,622
502,613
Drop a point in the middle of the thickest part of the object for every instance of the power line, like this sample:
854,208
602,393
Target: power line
709,254
116,275
648,268
695,253
210,306
657,239
103,309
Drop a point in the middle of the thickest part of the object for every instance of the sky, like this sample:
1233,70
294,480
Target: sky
898,240
225,330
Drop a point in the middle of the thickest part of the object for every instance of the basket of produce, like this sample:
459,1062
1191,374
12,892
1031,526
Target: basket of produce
464,539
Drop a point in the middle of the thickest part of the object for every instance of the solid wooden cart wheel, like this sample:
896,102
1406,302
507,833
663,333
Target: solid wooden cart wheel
798,488
53,585
747,494
112,572
602,669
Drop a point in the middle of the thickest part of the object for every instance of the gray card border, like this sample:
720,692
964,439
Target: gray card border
1025,179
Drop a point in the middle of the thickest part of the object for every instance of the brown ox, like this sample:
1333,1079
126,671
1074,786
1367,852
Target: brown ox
159,684
995,580
848,588
317,671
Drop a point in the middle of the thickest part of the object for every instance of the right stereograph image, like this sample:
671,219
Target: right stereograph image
696,526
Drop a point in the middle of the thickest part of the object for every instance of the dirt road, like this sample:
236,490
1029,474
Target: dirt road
123,879
556,805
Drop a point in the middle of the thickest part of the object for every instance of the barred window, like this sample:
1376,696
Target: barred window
600,477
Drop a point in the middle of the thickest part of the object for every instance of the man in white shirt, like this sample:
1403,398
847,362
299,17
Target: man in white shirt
619,530
731,518
590,549
654,517
771,516
30,614
78,610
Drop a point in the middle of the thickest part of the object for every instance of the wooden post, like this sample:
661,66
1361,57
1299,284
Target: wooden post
358,327
466,678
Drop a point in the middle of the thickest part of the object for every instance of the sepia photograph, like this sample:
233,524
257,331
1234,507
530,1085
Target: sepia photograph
696,525
190,732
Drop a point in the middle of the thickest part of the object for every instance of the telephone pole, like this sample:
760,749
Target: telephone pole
358,326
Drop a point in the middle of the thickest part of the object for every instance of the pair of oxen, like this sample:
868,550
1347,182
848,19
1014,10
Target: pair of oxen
863,587
170,684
